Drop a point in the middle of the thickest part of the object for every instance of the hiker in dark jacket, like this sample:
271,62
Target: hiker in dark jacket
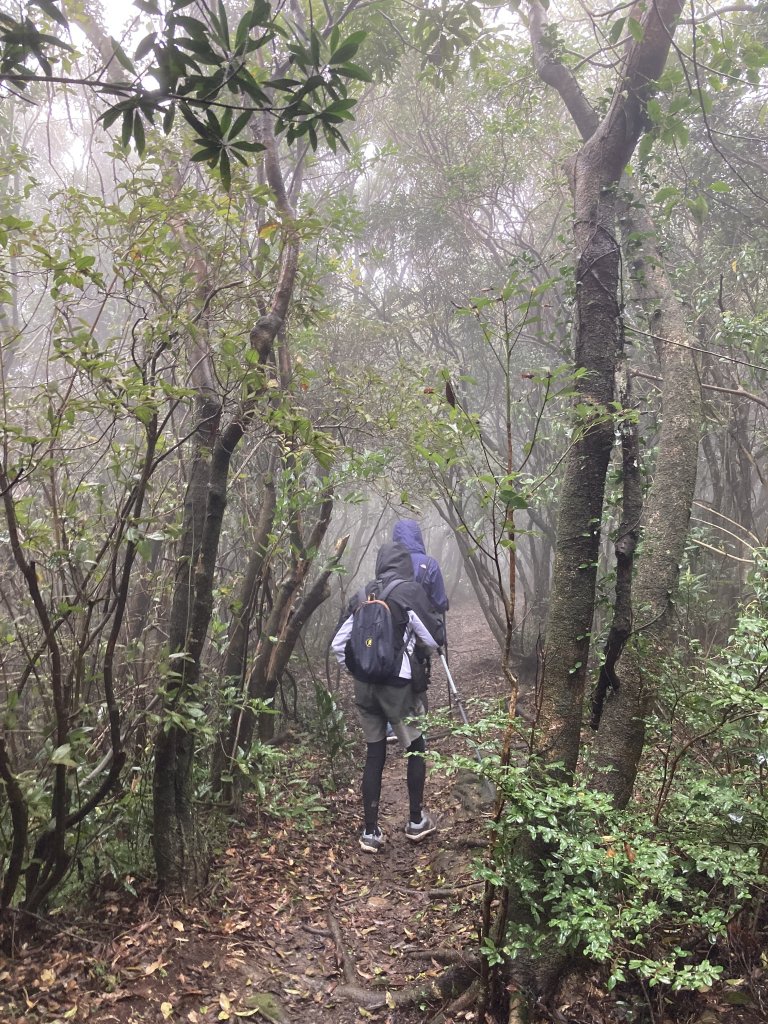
426,570
394,701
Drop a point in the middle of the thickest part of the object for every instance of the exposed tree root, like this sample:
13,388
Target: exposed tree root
437,891
463,1002
449,985
454,981
442,955
322,932
470,842
346,962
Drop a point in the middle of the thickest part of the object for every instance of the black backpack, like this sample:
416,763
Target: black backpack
373,653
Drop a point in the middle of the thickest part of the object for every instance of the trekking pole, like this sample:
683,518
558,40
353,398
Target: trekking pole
444,655
452,691
486,786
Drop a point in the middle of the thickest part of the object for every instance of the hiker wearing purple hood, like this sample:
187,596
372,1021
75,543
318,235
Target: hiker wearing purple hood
425,568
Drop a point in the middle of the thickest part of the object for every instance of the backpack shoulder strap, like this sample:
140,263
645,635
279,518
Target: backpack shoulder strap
389,588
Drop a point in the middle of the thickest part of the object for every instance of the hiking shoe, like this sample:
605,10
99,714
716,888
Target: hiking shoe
416,831
372,842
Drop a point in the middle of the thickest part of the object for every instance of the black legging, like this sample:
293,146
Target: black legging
374,768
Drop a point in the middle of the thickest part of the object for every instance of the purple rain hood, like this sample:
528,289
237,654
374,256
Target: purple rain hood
408,533
425,568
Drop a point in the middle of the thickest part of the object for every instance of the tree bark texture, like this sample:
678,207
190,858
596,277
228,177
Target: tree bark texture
176,844
594,174
620,739
288,616
236,657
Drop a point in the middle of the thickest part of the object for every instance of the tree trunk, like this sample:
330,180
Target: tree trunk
180,860
595,173
619,742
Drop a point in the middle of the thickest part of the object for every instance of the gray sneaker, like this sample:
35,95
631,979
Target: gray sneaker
372,842
416,831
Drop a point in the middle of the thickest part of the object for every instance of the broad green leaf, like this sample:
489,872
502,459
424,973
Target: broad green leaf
348,48
145,46
62,755
636,29
354,71
138,133
699,209
51,10
616,29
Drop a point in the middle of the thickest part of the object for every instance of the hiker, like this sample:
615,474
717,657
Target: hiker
395,699
426,571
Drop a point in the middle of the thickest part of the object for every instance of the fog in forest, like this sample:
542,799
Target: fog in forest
280,285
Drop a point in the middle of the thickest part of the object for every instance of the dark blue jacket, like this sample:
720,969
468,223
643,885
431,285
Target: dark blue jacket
425,568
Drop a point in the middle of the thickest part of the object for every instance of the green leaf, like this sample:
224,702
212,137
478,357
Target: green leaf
145,46
654,111
127,131
208,153
138,133
248,147
616,29
699,209
110,116
645,147
354,71
225,169
148,6
666,193
636,30
122,56
239,125
224,24
348,48
51,10
314,43
61,755
512,498
192,26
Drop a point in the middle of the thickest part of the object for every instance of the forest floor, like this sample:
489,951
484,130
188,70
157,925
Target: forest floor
298,925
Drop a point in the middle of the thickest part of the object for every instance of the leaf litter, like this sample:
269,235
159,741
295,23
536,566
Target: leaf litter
256,945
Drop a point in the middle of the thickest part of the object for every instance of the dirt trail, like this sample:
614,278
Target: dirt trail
287,912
